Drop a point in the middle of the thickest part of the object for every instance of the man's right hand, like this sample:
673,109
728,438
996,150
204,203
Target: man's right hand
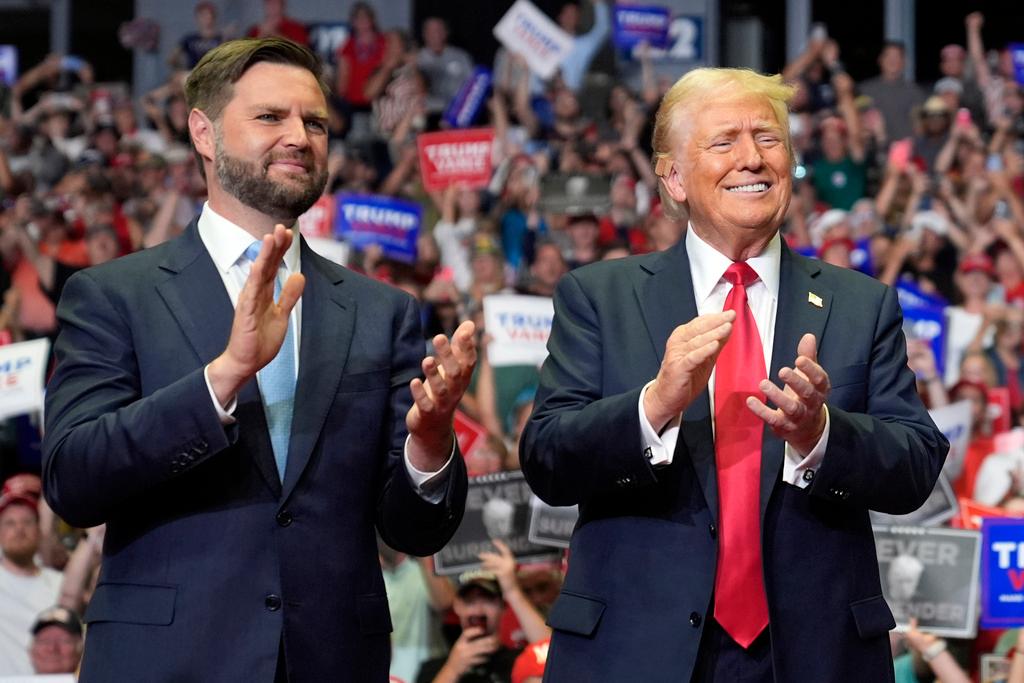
472,648
690,355
260,324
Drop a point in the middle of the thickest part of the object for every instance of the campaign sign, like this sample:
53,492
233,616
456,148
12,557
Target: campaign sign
468,433
551,526
497,507
924,318
940,506
394,224
685,42
954,421
526,30
1017,55
519,327
466,104
973,514
575,194
635,24
318,220
325,39
1002,573
456,156
930,574
22,375
8,64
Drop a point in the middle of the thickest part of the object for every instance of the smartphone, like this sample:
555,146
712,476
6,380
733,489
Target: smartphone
994,163
478,620
963,118
899,154
818,32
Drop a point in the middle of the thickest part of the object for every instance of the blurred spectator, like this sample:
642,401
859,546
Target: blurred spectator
445,66
529,665
362,54
928,659
936,117
891,93
971,388
277,23
56,642
840,174
974,279
584,46
192,46
813,72
26,588
547,269
416,598
583,233
477,656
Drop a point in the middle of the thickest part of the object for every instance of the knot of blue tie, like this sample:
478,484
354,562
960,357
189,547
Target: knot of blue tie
253,250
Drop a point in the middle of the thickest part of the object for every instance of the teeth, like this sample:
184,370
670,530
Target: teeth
756,187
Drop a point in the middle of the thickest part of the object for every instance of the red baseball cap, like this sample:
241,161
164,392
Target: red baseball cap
8,500
975,262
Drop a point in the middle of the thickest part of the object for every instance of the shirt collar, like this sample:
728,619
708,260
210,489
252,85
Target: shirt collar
227,242
708,265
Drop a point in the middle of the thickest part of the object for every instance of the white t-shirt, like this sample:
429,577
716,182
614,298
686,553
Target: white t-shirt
22,599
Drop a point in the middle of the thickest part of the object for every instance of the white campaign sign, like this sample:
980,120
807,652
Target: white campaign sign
22,373
529,32
954,421
519,327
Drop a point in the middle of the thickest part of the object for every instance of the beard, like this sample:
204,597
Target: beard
249,183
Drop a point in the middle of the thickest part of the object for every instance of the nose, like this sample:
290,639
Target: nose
294,133
747,153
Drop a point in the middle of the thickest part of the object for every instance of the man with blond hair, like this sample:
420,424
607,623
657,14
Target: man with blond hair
725,413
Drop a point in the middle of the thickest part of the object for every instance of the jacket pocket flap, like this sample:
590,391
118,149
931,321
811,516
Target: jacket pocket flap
373,614
132,604
872,616
576,613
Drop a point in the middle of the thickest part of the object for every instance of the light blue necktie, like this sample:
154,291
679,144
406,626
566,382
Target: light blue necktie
277,382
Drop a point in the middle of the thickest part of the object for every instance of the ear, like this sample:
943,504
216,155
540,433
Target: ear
200,128
673,183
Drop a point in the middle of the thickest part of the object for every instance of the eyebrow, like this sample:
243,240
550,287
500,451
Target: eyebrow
283,111
764,126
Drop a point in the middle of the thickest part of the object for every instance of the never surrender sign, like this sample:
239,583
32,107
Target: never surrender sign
456,156
394,224
930,574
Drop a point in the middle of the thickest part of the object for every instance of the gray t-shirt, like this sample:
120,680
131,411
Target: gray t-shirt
896,101
445,74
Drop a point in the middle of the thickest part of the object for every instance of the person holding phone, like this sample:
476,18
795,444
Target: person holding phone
478,655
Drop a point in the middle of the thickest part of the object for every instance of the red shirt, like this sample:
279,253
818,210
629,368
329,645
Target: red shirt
286,28
362,61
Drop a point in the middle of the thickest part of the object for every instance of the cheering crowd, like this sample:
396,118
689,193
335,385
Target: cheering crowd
918,185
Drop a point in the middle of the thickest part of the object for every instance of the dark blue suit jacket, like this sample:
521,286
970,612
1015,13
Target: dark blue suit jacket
642,561
208,557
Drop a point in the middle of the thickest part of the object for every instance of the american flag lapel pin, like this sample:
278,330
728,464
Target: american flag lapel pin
814,299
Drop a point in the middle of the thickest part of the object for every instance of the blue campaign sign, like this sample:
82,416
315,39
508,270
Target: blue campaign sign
394,224
634,24
8,64
466,104
924,318
1002,572
1017,54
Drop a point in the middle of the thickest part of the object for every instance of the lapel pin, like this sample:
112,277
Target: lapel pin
814,299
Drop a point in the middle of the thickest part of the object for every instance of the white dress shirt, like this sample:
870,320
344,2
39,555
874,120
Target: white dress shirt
226,243
710,289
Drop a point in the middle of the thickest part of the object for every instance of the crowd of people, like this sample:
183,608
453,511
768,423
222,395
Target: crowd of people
918,185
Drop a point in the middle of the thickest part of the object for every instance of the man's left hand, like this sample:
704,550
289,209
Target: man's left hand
799,416
435,398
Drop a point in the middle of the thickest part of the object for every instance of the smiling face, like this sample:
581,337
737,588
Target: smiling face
270,147
732,170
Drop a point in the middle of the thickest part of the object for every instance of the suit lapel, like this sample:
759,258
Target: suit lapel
328,322
197,299
667,301
804,305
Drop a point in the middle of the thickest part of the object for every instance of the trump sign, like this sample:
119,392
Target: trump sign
1002,573
22,372
394,224
455,156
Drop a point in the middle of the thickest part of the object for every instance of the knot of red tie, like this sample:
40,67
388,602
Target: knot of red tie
739,273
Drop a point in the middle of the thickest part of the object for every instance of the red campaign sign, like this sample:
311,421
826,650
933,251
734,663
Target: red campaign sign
318,221
971,514
468,432
999,403
455,156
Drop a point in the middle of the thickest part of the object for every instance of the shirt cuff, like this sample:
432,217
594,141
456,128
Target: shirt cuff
224,414
799,471
429,485
658,448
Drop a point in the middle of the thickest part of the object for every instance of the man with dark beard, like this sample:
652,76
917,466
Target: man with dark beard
239,443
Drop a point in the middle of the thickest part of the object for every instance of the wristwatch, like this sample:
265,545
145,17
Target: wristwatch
933,650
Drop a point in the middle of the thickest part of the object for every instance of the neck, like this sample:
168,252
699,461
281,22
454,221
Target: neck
19,566
735,250
249,219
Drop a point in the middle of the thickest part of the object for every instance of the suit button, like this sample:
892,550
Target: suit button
284,518
272,602
694,619
713,530
199,447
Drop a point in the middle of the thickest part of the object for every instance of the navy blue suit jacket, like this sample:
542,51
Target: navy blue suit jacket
209,558
642,561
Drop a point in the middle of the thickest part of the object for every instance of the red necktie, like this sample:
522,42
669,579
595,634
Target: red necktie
741,607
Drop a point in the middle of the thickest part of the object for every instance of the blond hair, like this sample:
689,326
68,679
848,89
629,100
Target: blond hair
699,86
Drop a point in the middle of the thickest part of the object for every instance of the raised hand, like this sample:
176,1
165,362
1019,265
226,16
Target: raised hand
690,355
260,324
799,416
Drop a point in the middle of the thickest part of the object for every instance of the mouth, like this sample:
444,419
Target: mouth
290,165
750,188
